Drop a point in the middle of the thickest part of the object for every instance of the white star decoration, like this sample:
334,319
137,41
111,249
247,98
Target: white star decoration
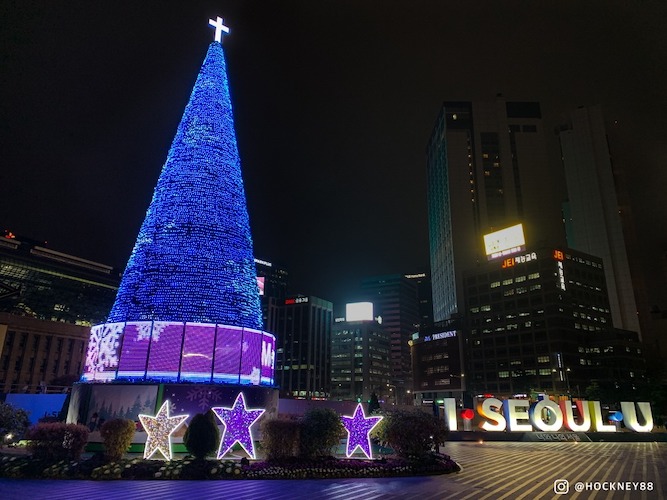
159,429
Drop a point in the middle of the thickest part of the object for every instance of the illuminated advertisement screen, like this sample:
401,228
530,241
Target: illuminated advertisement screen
134,353
359,311
197,360
228,345
268,357
260,284
165,352
102,355
505,242
177,351
251,353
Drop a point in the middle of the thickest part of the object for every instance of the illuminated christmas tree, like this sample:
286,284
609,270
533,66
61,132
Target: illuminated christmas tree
193,259
187,309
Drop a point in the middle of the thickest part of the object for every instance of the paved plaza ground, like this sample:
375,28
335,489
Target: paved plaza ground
493,470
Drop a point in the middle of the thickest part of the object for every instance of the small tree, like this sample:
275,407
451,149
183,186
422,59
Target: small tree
281,438
57,441
373,404
117,436
202,436
321,429
13,423
412,434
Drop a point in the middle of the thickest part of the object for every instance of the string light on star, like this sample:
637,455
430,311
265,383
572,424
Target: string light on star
237,421
358,428
159,429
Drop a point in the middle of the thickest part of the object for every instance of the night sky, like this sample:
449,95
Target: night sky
334,103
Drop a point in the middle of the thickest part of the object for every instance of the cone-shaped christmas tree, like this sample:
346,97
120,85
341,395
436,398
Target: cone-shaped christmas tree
187,309
193,259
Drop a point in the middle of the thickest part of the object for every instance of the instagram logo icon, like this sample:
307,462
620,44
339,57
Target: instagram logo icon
561,486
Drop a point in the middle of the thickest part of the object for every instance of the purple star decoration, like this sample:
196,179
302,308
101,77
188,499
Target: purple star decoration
237,421
358,430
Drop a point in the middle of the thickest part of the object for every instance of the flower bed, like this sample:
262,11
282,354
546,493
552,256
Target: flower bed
188,468
330,467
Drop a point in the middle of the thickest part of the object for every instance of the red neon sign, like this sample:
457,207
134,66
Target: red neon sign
508,263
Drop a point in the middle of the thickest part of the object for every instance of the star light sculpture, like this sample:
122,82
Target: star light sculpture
237,421
159,429
358,429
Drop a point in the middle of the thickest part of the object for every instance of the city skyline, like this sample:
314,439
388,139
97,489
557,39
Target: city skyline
334,105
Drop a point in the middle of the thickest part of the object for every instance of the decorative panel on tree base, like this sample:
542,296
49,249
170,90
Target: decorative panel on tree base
92,404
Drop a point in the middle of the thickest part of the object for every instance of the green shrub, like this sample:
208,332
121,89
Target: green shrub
57,441
202,436
412,434
117,436
13,423
280,438
321,429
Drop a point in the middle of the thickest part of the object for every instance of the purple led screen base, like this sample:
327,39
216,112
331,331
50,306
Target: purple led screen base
180,352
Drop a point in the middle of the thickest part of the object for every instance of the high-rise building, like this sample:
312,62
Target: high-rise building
424,296
396,302
48,300
303,352
592,221
41,283
35,354
360,363
272,282
437,361
540,321
271,279
487,167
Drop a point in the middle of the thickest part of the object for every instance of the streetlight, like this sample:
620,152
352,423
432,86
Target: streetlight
392,392
563,376
461,388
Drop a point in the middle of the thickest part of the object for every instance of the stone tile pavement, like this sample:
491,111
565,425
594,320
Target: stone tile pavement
498,470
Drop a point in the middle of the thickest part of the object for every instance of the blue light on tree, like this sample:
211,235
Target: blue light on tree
193,259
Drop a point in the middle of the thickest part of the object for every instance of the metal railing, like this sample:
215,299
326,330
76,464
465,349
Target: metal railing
35,389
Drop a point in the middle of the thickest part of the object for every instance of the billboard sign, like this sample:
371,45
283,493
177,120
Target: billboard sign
504,242
359,311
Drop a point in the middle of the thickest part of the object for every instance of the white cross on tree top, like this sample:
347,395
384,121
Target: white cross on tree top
220,28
